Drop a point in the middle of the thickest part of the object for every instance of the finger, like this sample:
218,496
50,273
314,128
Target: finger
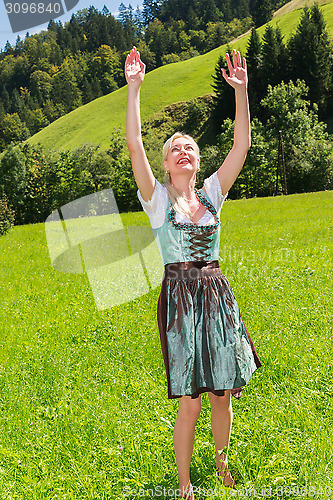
224,73
239,61
244,64
131,55
128,61
229,63
142,66
234,58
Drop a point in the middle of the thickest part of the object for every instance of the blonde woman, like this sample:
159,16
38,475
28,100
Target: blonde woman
205,344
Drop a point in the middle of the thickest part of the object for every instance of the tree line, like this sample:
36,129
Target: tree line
47,75
34,181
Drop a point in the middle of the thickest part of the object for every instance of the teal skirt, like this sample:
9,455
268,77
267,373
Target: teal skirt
205,343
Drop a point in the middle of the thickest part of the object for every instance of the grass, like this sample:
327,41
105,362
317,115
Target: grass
182,81
84,408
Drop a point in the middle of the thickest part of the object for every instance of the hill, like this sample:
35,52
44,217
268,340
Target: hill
168,84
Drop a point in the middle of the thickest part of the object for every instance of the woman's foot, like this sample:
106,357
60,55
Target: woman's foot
228,480
186,492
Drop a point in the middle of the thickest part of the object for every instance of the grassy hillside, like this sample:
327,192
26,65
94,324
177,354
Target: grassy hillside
163,86
84,408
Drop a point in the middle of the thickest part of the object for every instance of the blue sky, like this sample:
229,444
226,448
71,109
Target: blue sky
7,34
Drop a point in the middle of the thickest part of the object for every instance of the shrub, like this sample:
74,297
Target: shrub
7,216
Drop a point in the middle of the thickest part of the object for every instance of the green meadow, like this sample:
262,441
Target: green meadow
166,85
84,408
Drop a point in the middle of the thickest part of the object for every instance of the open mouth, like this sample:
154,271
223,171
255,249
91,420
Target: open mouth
183,161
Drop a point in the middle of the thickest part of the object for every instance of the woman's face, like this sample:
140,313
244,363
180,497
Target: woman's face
182,156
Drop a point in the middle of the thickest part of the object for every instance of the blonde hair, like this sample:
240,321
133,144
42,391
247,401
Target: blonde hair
178,201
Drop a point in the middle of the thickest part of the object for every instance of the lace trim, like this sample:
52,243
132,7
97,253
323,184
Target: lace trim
207,228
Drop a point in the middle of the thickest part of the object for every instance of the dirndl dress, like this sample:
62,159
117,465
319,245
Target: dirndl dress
205,343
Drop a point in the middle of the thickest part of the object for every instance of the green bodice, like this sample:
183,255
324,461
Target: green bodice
179,242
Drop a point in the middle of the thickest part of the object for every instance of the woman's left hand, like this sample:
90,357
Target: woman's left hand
237,71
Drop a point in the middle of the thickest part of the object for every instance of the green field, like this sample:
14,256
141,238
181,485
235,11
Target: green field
182,81
84,408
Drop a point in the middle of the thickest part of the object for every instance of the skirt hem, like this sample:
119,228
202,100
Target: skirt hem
237,392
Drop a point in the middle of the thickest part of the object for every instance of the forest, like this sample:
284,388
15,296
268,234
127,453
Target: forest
49,74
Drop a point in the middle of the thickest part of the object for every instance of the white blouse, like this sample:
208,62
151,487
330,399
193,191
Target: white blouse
157,206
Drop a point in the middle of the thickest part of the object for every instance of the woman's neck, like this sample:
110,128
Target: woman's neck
186,187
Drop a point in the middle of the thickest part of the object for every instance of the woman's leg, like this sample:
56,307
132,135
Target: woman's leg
183,437
221,419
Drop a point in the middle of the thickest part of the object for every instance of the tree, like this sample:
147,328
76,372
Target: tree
65,90
254,62
157,39
146,55
41,84
224,98
307,149
151,10
121,174
12,130
262,12
270,68
310,54
127,18
106,66
257,177
139,23
7,216
13,175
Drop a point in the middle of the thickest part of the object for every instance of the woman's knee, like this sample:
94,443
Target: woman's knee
190,408
221,403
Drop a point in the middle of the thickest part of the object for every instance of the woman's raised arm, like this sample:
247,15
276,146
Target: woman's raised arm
135,73
232,165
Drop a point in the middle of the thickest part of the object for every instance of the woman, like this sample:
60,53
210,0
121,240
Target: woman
205,344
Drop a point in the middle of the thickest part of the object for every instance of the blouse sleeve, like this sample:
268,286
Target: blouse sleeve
156,207
213,189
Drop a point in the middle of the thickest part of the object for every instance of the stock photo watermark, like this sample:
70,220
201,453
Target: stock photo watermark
266,492
27,14
122,263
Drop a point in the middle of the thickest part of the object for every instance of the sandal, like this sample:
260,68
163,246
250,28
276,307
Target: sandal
228,480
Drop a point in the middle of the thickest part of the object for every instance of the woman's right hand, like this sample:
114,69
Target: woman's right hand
134,69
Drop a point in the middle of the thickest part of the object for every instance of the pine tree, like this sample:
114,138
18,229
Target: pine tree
224,98
151,10
139,23
262,12
243,9
253,62
282,56
309,54
273,57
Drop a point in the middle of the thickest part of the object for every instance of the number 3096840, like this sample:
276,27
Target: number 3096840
32,8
